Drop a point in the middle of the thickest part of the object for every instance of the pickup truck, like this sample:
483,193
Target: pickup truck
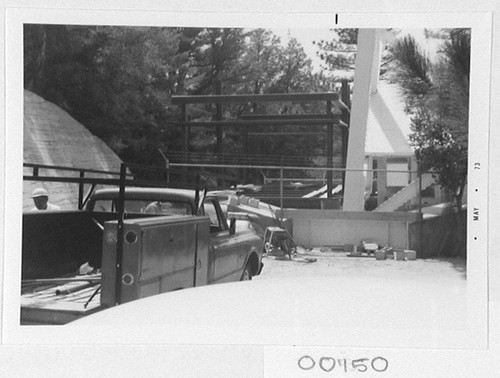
164,240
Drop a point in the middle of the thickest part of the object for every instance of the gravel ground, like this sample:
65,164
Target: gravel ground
338,264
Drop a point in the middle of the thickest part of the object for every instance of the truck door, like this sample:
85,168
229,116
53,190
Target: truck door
224,247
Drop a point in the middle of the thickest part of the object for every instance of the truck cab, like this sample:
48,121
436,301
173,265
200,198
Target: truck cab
171,239
234,251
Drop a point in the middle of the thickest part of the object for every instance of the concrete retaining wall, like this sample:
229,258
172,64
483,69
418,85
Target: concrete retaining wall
333,227
305,203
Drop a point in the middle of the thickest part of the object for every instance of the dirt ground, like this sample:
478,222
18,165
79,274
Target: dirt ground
422,303
325,262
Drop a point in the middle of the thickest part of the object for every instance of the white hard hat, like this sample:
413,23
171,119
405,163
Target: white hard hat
39,192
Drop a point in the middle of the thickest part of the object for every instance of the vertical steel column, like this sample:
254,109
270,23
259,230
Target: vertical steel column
420,250
80,190
166,174
119,236
185,147
218,117
245,146
346,99
281,188
329,151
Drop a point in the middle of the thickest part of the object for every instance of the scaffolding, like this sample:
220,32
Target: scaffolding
250,120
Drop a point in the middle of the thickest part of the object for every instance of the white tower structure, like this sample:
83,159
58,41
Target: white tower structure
379,131
365,77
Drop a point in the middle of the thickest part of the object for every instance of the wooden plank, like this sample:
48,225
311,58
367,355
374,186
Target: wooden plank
80,296
68,302
361,255
94,278
217,99
50,293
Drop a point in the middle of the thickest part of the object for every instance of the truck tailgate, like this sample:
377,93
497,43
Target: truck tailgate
54,303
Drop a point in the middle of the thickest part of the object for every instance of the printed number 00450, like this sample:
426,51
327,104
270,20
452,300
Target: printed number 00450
378,364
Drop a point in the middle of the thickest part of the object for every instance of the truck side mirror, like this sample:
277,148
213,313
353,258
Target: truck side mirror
232,226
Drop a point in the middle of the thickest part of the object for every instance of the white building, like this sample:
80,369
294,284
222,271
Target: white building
379,138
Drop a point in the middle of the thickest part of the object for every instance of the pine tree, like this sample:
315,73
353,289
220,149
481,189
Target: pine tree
339,53
437,93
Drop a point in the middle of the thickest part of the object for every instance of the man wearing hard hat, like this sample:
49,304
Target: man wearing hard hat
41,199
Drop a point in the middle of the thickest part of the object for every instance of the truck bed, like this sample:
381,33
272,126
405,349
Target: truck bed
60,303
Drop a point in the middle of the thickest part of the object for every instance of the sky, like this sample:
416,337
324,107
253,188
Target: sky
306,38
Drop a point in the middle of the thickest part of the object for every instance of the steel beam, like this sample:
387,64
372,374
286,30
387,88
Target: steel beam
271,122
217,99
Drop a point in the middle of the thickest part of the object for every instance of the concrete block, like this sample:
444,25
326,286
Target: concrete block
410,254
348,247
243,200
399,255
254,202
380,255
370,247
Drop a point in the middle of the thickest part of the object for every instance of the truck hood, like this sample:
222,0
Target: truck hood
311,310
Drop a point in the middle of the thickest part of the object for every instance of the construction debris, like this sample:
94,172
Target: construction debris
279,244
369,249
278,241
305,259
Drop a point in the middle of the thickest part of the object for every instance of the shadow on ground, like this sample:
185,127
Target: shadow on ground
459,264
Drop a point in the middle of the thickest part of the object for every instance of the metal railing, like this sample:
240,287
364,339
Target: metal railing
291,186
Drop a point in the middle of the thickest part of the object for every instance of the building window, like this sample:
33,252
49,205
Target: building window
400,178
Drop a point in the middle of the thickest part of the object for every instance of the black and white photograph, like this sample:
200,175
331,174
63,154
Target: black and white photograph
261,133
312,188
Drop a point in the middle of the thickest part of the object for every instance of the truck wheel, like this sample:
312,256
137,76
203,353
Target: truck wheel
247,274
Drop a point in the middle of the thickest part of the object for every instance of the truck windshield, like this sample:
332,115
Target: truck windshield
144,207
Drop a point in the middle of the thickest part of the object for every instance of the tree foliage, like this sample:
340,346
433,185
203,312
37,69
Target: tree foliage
117,81
259,62
414,71
114,80
437,99
214,59
437,93
339,52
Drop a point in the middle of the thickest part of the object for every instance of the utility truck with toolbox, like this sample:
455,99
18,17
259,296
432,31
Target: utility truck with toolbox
129,242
